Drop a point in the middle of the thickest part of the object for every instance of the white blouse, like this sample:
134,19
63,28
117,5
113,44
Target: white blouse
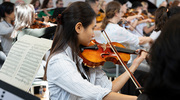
66,83
154,35
5,33
118,34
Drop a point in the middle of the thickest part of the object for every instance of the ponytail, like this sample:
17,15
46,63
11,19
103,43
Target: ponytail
111,8
104,23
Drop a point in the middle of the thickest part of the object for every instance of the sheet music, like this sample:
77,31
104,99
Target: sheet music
23,61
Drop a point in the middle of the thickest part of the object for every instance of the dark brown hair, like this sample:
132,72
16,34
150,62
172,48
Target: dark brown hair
163,82
33,2
111,8
45,2
66,34
160,18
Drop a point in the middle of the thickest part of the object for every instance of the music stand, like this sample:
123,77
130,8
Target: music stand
9,92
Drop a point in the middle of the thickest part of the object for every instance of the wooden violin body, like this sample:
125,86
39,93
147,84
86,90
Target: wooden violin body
38,24
97,54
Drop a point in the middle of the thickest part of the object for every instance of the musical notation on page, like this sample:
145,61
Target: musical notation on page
23,61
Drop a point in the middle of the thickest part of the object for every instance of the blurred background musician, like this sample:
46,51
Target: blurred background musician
162,82
160,20
59,8
22,27
36,4
6,26
46,6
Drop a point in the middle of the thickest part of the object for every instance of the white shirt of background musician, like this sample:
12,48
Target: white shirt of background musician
66,83
154,35
118,34
139,29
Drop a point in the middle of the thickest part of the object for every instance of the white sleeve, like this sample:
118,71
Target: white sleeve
63,73
155,35
5,30
124,36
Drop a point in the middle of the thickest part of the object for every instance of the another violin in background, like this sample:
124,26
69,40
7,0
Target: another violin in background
132,12
38,24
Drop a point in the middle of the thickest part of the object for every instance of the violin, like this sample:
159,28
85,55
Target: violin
100,16
107,54
38,24
123,22
132,12
97,54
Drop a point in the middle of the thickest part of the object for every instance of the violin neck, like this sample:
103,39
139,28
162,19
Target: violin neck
94,47
124,50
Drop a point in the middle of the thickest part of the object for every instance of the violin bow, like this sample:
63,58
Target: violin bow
133,27
136,83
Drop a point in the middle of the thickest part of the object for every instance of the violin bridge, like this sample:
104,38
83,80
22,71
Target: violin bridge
103,46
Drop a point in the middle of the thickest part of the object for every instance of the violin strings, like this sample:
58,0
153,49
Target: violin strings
127,70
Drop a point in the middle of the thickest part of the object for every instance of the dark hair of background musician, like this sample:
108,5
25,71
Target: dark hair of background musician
173,10
6,7
136,4
33,2
160,18
163,82
91,1
112,8
65,33
45,3
122,1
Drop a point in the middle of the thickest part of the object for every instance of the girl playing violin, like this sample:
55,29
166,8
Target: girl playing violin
117,33
67,78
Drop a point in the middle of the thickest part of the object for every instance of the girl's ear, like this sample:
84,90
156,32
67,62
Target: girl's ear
79,28
116,13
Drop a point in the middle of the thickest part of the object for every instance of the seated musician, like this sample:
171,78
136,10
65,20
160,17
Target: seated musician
116,32
163,80
46,4
160,20
128,20
142,25
67,78
162,14
95,6
24,18
6,26
119,34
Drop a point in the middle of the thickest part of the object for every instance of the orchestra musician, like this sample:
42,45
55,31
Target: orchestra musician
116,32
160,20
162,14
36,4
142,26
24,18
47,4
67,78
162,82
6,26
119,34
